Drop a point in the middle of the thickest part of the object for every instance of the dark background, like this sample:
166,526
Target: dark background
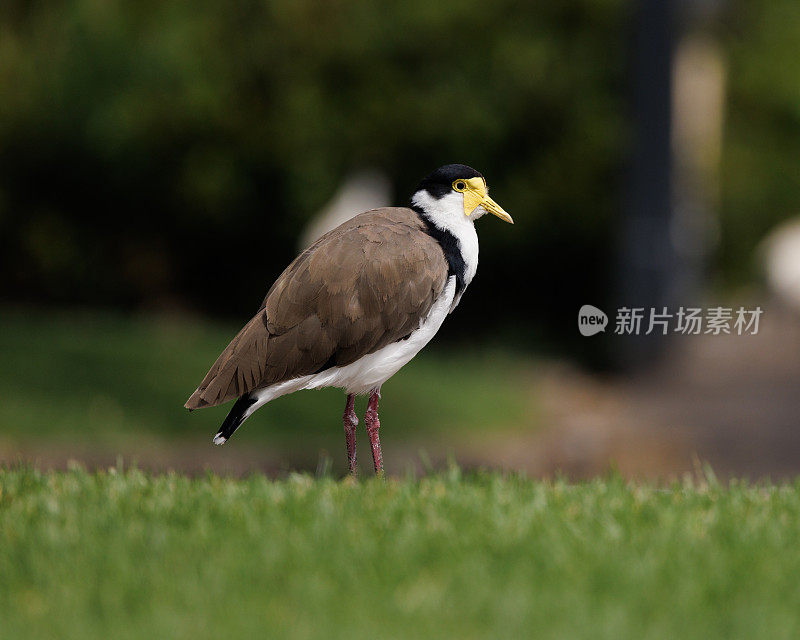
163,157
155,154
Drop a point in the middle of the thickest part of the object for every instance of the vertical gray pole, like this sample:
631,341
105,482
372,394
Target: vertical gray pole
646,255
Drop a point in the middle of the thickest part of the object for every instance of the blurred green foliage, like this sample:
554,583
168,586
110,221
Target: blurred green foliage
157,153
761,161
160,152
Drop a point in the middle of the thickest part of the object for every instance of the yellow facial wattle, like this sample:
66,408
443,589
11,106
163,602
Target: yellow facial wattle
476,195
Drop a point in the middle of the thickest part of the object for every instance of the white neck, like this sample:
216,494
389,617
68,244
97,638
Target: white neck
447,213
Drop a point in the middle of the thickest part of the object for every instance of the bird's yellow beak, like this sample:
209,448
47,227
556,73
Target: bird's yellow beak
476,195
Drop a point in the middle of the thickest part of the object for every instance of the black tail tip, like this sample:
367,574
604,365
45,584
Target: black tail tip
237,415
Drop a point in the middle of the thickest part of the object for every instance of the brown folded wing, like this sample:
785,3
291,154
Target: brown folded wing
366,284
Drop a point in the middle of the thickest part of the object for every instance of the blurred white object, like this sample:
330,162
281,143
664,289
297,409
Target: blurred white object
361,191
781,251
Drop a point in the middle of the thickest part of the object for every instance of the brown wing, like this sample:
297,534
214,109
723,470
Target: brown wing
364,285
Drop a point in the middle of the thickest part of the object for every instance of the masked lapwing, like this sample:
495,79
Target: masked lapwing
356,306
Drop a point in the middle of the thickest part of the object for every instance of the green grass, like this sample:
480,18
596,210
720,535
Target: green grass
113,379
127,555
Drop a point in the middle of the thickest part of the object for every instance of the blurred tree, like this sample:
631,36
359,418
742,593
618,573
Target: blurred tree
760,159
155,152
158,153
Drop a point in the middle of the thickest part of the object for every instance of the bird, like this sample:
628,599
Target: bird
356,306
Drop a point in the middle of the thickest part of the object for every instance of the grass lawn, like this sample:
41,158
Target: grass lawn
128,555
112,379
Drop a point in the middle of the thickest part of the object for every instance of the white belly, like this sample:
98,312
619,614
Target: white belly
373,369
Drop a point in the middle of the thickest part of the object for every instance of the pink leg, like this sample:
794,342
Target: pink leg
373,425
350,424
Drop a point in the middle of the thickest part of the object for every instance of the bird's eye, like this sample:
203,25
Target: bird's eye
459,185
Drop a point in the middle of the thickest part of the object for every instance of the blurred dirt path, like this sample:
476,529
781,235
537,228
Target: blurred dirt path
732,401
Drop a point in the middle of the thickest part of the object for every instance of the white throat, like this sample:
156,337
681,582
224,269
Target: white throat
447,214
